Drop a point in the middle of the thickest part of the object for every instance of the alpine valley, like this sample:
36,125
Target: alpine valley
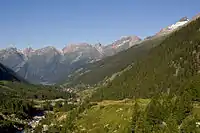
132,85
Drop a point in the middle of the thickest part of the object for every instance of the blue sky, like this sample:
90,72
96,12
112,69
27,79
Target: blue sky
40,23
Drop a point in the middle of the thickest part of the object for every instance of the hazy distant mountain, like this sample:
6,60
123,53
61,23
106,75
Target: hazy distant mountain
49,65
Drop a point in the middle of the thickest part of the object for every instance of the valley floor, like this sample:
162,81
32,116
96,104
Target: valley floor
107,116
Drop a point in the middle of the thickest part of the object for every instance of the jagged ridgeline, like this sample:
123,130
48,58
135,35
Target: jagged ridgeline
173,65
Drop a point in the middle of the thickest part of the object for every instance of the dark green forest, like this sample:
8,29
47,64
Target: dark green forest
29,91
17,98
166,113
173,66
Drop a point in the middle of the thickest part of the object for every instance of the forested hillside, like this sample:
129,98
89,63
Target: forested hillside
17,96
98,71
17,102
173,65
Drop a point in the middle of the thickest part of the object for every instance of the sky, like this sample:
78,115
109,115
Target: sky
40,23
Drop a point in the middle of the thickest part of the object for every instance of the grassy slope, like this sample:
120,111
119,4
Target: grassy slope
196,110
111,118
174,65
105,117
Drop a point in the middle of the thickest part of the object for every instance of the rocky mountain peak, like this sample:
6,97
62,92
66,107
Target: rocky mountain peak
166,30
72,47
178,24
125,40
183,19
28,50
135,38
11,50
48,49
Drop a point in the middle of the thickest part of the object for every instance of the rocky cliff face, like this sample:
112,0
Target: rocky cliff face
43,66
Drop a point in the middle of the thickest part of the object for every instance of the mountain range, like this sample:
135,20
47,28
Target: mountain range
131,85
49,65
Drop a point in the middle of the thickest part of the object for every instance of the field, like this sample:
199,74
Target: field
108,116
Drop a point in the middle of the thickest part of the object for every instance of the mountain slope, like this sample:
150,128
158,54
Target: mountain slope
7,74
173,65
98,71
12,58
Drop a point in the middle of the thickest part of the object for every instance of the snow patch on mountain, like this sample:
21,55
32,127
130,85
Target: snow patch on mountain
177,25
77,58
183,21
